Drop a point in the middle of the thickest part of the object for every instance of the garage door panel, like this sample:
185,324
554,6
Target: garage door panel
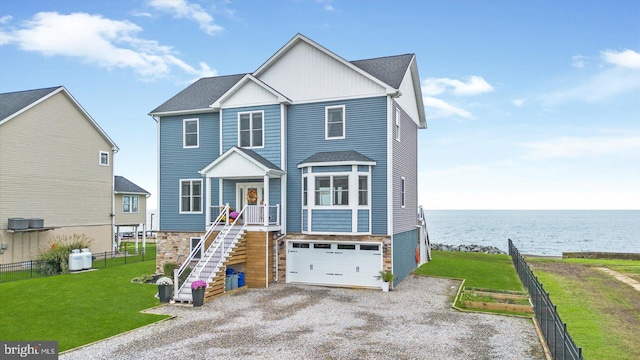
346,264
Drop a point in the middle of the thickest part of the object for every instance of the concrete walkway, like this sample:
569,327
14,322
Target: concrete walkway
621,277
287,321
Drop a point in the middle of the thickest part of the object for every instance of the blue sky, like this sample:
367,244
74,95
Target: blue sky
530,104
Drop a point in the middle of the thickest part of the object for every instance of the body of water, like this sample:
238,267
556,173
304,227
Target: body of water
538,232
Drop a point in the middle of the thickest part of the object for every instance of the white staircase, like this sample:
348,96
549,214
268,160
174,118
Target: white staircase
425,244
212,261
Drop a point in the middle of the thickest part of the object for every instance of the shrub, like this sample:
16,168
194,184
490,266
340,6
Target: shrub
168,269
144,279
54,257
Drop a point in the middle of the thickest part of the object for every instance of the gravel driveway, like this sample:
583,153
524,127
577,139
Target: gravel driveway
308,322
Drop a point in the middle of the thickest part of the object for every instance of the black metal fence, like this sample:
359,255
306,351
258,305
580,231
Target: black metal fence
32,268
554,330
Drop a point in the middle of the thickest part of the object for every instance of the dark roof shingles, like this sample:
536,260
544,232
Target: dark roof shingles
11,103
199,95
257,157
389,69
336,156
123,185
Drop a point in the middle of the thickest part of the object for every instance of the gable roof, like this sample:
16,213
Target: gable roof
124,186
299,37
239,84
239,162
333,157
389,69
15,103
198,96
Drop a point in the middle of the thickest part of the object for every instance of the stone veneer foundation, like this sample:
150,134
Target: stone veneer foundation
172,246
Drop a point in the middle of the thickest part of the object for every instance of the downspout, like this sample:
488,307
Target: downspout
113,199
266,255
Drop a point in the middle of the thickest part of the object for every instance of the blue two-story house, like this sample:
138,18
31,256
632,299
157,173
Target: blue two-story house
302,171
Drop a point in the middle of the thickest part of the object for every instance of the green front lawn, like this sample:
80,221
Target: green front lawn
77,309
480,270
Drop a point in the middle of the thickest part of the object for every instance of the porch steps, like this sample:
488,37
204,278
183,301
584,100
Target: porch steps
215,268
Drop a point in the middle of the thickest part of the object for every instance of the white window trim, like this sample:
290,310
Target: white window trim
202,192
191,246
398,122
305,178
326,122
100,158
251,129
184,134
403,191
130,204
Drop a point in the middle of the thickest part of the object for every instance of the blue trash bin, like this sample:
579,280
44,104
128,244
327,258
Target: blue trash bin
240,279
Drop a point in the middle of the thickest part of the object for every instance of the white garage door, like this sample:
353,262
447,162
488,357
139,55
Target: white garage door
334,263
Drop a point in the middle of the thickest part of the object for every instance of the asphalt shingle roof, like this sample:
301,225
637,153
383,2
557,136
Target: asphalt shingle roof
11,103
204,92
336,156
123,185
257,157
388,69
199,95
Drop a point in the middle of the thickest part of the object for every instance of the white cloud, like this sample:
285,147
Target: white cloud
518,102
575,147
463,169
5,19
326,5
473,86
101,41
442,109
186,10
579,61
627,58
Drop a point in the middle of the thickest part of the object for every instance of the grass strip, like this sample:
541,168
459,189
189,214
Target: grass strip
602,314
487,271
77,309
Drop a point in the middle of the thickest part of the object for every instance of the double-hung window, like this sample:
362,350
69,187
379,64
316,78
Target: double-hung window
130,204
191,196
363,190
334,122
191,133
305,191
251,129
104,158
332,190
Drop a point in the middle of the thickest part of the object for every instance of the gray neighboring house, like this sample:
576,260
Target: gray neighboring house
56,168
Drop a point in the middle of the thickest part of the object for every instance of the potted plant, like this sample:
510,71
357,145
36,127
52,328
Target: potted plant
197,292
387,277
165,285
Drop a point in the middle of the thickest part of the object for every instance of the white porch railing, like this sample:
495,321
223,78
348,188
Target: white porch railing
263,215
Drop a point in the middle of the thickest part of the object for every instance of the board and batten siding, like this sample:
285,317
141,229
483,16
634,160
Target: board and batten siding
50,167
366,133
405,164
271,124
177,163
404,251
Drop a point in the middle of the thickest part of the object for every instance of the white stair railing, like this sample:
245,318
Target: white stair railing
224,214
424,233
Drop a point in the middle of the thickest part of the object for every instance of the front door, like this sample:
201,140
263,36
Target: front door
250,194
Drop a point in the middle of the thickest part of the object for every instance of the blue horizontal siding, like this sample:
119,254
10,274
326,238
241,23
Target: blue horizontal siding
340,168
404,253
331,220
177,163
366,133
363,220
271,123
